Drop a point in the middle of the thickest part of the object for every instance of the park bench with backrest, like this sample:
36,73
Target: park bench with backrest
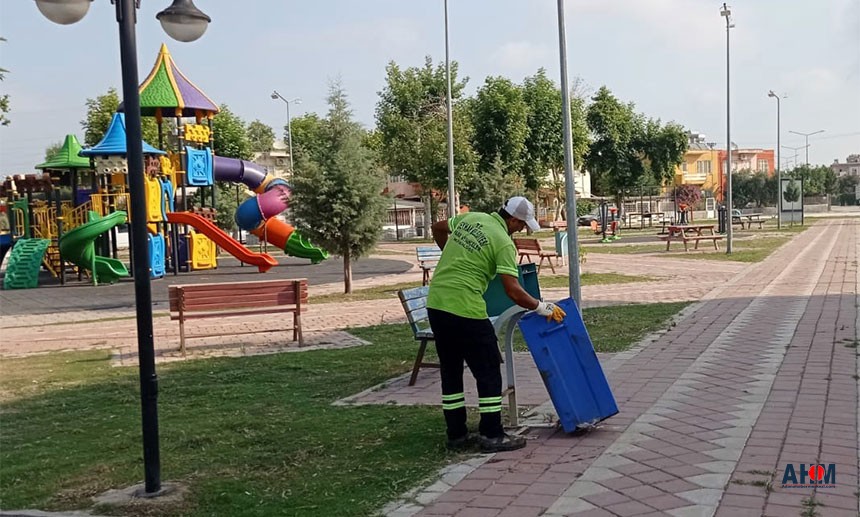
528,247
239,299
428,257
414,303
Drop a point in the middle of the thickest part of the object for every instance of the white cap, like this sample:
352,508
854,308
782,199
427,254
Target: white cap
521,208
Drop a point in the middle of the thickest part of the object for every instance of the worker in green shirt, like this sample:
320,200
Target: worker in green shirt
475,248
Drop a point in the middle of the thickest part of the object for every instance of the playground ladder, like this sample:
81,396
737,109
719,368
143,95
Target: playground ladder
22,271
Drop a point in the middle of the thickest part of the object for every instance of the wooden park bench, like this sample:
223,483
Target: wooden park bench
234,299
428,257
528,247
414,303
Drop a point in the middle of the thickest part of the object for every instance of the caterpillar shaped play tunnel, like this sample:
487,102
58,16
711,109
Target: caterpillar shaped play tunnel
257,214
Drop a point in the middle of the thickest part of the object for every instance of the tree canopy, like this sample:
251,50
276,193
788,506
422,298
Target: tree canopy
100,112
337,189
260,137
231,138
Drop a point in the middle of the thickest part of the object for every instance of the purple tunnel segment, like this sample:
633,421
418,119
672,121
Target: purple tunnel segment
238,171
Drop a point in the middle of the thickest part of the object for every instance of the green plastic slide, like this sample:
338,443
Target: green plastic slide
298,246
22,270
78,247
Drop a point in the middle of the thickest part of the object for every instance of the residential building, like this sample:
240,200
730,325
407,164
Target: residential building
276,160
746,160
851,167
701,164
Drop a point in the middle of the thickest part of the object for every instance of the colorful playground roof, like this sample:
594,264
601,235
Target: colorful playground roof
168,91
113,143
67,157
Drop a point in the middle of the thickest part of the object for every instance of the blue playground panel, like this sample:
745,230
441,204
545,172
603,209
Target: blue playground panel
156,256
182,252
569,367
199,166
495,297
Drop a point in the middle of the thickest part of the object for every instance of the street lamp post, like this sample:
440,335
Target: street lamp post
778,166
184,22
574,288
276,96
452,199
726,13
807,135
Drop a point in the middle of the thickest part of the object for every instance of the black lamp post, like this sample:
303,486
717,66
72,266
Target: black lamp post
184,22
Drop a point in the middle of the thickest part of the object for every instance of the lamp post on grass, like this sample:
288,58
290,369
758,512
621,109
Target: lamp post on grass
726,13
778,166
276,96
182,21
574,285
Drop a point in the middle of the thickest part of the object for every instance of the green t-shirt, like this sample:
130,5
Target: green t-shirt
478,249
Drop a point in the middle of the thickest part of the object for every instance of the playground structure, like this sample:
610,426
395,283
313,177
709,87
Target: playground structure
75,231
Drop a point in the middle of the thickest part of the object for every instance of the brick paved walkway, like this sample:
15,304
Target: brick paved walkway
763,372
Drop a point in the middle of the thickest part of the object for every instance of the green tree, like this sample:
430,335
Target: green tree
614,160
100,112
336,199
308,136
231,138
544,146
500,118
489,190
412,121
4,99
663,148
52,149
260,136
846,190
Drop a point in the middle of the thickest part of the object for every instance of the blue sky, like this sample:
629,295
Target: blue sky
666,56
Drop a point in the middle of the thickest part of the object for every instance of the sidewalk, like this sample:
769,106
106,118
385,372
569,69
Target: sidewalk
761,374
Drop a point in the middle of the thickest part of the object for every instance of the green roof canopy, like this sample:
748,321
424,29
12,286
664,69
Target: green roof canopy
67,157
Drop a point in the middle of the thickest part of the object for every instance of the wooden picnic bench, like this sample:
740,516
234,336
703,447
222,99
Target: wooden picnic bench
691,233
528,247
747,220
428,257
235,299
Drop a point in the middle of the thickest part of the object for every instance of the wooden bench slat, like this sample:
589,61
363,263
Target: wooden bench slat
238,299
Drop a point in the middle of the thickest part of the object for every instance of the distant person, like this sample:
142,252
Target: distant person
476,247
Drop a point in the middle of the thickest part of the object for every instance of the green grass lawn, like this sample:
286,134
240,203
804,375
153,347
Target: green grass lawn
248,436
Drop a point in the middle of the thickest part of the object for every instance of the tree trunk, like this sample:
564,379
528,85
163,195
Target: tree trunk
347,273
428,217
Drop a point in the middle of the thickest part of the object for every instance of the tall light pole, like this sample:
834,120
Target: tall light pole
569,181
795,149
726,13
452,200
276,96
778,166
182,21
807,135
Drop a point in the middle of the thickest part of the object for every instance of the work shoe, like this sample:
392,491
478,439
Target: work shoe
461,443
506,442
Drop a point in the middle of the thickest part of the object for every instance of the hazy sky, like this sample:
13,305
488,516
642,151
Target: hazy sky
666,56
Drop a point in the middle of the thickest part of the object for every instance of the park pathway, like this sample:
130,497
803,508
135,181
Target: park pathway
761,374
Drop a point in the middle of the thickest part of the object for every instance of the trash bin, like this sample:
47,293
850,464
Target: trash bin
721,219
568,365
561,243
498,302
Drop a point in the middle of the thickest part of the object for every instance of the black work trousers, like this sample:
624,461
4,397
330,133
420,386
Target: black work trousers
474,342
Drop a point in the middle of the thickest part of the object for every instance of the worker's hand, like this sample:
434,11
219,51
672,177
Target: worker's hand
551,311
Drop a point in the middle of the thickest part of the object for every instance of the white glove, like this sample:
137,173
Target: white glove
551,311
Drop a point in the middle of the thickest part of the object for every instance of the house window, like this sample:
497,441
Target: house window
684,167
280,161
703,167
762,165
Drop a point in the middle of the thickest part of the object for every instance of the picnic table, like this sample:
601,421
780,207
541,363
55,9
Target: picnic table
747,220
691,233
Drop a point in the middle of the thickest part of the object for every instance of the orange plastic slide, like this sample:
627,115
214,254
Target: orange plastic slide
263,261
